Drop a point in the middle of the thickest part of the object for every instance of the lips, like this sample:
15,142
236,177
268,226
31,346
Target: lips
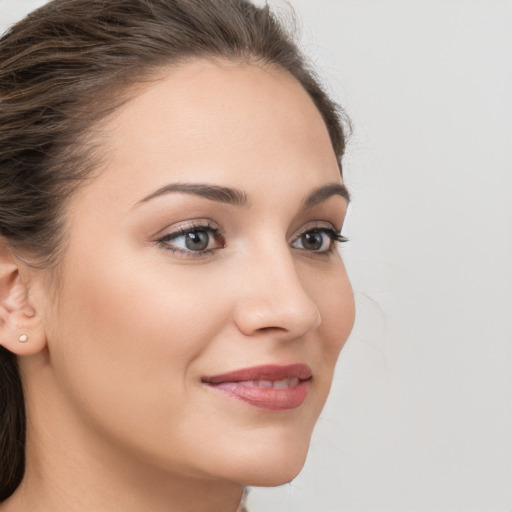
269,387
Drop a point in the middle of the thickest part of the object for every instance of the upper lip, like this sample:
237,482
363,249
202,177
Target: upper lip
264,372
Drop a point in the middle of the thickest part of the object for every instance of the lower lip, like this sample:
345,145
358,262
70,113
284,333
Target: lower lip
270,399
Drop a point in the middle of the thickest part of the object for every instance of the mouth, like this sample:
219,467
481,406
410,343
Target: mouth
269,387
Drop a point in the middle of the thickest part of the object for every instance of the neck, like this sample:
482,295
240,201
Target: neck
70,467
103,487
51,487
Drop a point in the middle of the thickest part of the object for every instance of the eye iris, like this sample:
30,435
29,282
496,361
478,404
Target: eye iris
312,241
197,240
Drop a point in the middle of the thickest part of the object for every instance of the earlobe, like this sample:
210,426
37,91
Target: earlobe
21,330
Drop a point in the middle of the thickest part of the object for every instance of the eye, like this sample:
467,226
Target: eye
318,239
193,240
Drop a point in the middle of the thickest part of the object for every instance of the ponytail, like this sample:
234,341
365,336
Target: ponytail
12,425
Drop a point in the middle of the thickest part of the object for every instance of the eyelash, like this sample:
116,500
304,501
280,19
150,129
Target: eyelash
333,234
185,230
335,237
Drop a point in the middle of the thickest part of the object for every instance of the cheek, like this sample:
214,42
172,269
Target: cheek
125,347
135,300
128,334
335,301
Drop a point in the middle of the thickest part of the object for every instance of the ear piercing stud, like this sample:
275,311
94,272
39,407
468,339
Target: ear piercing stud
23,338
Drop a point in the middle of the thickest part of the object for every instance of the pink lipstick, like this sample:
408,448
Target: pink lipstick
270,387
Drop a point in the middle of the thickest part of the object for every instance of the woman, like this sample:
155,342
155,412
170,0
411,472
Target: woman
172,298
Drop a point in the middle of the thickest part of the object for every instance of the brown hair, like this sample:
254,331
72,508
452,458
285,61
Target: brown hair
62,70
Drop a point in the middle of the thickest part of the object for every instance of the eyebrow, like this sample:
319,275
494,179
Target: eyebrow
212,192
321,194
237,197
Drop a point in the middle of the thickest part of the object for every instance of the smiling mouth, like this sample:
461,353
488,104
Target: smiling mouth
269,387
267,384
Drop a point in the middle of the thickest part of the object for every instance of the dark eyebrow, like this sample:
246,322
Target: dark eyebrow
320,194
212,192
237,197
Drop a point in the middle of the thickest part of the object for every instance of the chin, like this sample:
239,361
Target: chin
273,477
271,468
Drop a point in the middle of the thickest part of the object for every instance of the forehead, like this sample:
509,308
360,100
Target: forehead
220,122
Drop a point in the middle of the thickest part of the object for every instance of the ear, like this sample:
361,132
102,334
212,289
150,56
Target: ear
21,329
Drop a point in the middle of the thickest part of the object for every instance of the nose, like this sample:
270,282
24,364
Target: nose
272,297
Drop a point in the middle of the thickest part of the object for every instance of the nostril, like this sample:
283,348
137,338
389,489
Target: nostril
276,303
270,329
282,323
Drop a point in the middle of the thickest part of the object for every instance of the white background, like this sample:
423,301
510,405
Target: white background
420,416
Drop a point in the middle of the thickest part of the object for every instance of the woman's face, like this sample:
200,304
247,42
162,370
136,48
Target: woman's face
203,248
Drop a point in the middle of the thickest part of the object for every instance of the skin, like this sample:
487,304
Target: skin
119,416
